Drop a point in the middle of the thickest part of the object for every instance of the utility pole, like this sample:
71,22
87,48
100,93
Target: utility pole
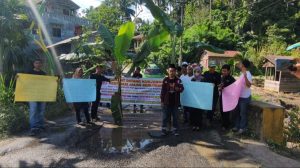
210,1
182,5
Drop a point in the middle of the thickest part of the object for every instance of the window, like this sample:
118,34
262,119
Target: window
56,32
66,12
78,30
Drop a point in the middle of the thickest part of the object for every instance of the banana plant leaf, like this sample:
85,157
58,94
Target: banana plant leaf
163,18
106,36
123,41
208,47
156,40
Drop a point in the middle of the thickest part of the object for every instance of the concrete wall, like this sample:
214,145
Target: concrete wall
66,23
266,121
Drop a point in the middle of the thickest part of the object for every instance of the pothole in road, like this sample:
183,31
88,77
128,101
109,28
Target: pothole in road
117,141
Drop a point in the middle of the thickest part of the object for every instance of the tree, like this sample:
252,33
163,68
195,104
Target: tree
118,46
14,37
107,15
111,13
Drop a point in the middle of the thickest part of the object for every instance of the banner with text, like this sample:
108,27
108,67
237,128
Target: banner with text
36,88
134,91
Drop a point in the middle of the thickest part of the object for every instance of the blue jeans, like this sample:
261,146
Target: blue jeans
168,112
36,114
241,120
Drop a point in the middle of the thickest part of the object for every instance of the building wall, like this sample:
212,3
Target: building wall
61,25
289,83
205,60
67,24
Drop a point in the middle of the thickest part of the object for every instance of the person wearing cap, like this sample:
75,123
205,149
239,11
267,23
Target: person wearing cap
195,113
99,79
170,97
211,76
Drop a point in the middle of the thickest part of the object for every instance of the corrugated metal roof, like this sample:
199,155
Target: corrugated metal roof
272,58
69,40
227,53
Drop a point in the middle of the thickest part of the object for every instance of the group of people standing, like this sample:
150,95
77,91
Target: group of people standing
172,86
37,109
84,106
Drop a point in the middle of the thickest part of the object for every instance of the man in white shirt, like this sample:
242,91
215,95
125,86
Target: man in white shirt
183,70
245,98
187,75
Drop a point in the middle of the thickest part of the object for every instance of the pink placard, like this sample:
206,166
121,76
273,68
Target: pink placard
231,94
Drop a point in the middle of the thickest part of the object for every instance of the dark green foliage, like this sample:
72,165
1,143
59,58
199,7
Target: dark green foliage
292,131
13,118
14,36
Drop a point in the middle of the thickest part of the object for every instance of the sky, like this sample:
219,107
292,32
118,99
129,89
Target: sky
145,14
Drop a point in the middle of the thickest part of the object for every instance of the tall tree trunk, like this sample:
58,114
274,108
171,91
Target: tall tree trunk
173,58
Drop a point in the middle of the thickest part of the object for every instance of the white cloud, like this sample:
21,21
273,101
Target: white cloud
146,14
84,4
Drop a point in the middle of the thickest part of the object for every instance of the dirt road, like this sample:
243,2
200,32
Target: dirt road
105,145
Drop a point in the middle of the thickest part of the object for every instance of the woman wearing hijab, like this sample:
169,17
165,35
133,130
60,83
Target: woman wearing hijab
196,114
81,105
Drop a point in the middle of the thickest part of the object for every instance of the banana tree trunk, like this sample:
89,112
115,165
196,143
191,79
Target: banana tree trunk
1,63
116,99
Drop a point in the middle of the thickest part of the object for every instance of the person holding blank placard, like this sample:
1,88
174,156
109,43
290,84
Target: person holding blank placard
36,109
81,105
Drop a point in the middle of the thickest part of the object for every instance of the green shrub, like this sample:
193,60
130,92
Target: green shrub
13,119
292,130
6,90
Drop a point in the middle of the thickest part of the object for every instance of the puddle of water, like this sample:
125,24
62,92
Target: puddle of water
118,141
121,140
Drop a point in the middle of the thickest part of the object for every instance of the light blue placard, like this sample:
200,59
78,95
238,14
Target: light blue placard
197,95
79,90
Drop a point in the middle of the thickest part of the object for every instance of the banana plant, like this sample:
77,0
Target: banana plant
118,47
155,38
175,30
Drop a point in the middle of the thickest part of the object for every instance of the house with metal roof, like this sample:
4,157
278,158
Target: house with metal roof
277,74
217,58
60,18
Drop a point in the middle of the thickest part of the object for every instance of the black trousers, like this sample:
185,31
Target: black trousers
95,106
196,117
186,115
82,106
225,115
210,113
